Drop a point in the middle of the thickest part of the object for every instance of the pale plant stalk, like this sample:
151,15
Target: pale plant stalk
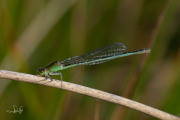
22,77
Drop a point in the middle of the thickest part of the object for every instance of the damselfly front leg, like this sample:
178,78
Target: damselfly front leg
57,74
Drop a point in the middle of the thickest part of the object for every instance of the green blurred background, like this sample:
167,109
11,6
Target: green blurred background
35,33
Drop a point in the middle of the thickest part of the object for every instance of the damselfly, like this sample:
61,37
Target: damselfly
101,55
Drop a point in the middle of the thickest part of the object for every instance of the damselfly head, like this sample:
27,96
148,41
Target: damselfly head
40,71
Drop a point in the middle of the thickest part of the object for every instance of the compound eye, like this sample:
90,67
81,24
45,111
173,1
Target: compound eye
40,69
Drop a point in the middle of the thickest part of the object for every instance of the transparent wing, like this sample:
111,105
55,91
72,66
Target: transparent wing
96,56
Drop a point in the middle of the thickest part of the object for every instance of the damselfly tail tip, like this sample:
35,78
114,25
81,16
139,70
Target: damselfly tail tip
147,50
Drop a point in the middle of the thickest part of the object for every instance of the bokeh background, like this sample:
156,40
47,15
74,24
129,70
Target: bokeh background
34,33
